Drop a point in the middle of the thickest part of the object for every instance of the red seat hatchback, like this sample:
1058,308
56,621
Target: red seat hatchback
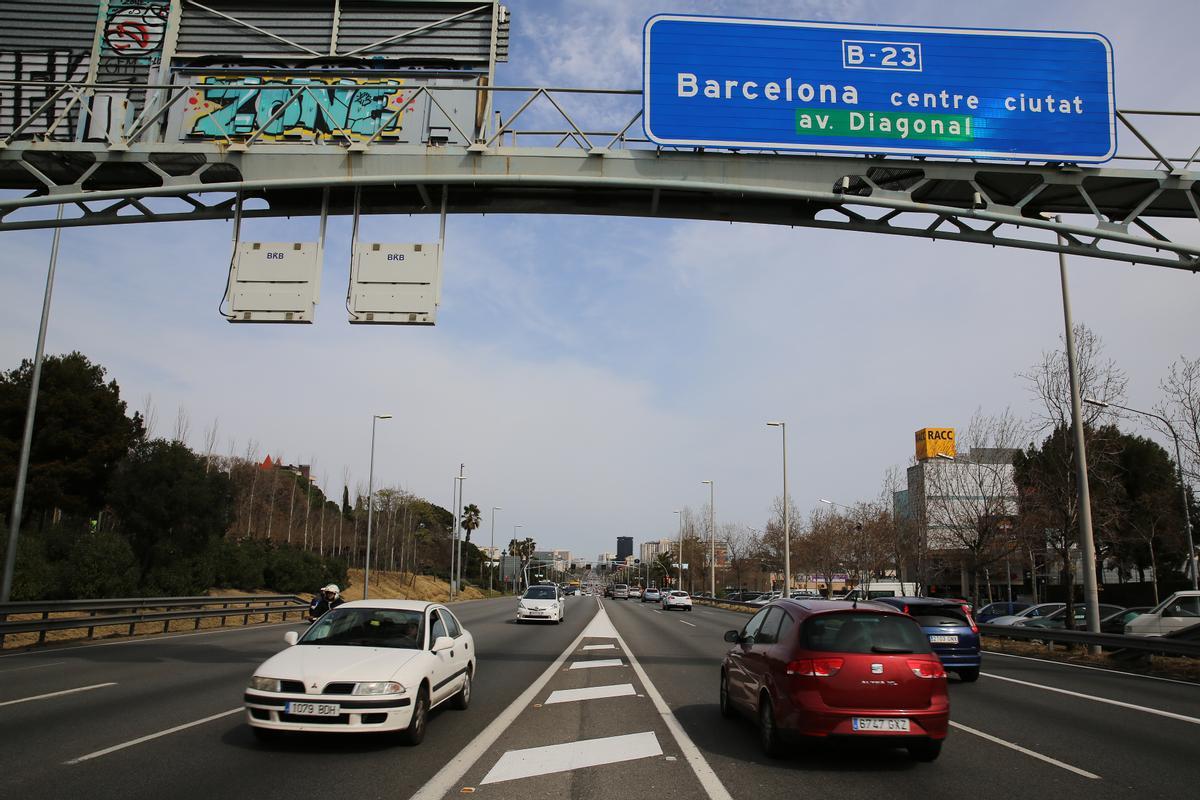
819,669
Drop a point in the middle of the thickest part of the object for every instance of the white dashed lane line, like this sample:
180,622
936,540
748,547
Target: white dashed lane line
1032,754
573,755
686,623
49,695
1145,709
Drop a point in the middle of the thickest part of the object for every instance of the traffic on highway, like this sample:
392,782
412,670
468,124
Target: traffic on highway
620,694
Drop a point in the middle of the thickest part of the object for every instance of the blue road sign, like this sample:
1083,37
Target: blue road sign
781,85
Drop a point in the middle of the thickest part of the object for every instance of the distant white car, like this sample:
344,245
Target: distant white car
365,666
544,603
676,599
1180,610
652,595
1031,613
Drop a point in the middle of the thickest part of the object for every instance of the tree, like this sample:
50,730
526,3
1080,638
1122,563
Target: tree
1181,405
80,432
740,543
522,550
172,513
1099,379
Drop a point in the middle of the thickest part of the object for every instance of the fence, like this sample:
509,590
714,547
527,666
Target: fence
139,610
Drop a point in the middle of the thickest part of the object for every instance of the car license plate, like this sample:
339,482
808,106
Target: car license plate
943,639
880,724
313,709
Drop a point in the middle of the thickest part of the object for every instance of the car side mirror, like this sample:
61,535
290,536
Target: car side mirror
442,643
732,637
291,637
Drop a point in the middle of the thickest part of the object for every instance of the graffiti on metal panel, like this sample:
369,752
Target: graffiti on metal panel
331,108
47,67
135,28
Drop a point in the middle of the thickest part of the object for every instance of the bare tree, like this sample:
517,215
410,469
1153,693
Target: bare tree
740,544
1050,381
183,425
211,434
149,415
1181,405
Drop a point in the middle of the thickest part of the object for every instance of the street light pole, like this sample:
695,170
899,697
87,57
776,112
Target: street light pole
370,505
492,574
454,553
679,561
35,381
712,543
787,530
1087,541
1187,517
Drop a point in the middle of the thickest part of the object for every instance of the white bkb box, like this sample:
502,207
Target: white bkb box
275,281
397,284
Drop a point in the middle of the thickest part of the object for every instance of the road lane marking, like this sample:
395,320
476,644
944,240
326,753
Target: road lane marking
32,666
599,647
1135,707
141,739
449,776
1087,666
599,662
656,611
57,694
589,693
573,755
685,623
704,773
1030,753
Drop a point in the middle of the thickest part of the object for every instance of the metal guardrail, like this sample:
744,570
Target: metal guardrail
139,610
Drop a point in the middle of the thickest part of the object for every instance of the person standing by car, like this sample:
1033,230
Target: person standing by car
329,597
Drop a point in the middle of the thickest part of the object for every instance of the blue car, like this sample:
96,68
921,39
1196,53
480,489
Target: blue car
952,632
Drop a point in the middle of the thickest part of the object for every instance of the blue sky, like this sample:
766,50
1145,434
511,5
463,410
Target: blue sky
592,371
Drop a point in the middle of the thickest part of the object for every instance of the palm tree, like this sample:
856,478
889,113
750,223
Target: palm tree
470,519
665,564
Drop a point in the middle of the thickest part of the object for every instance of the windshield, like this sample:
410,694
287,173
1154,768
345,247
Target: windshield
540,593
864,632
367,627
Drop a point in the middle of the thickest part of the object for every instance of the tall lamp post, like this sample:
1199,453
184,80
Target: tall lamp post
679,561
370,505
712,541
787,530
492,574
1187,519
455,553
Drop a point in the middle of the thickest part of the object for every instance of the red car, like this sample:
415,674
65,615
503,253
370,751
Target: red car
822,669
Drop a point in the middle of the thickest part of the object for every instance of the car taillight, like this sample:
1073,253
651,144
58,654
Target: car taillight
927,669
815,667
970,620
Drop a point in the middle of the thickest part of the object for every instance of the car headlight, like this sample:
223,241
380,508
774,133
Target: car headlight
264,684
378,687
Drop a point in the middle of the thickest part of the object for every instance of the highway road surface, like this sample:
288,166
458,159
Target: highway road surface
617,702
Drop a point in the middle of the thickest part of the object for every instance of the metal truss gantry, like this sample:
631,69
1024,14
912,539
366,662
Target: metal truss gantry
148,172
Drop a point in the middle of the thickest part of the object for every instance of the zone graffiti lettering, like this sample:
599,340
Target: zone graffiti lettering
355,107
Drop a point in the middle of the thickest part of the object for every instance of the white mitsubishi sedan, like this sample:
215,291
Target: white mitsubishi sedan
367,665
541,602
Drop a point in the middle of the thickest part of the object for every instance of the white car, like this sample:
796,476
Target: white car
1180,610
676,599
1031,613
541,603
365,666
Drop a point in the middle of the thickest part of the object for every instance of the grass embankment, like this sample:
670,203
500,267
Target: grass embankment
1178,667
383,585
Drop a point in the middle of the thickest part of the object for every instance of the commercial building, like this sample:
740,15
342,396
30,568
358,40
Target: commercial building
652,550
624,547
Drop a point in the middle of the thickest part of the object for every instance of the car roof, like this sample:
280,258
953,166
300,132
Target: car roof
919,601
816,606
401,605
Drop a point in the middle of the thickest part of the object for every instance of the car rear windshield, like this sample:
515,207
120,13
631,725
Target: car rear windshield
540,593
863,632
939,616
367,627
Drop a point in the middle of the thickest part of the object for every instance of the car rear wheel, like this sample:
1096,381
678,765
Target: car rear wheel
768,732
461,700
926,750
969,675
414,734
727,709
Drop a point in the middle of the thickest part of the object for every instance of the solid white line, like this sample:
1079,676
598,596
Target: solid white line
141,739
1027,752
32,666
599,647
1097,669
137,639
599,662
589,693
704,773
57,694
656,611
686,623
449,775
1147,709
573,755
